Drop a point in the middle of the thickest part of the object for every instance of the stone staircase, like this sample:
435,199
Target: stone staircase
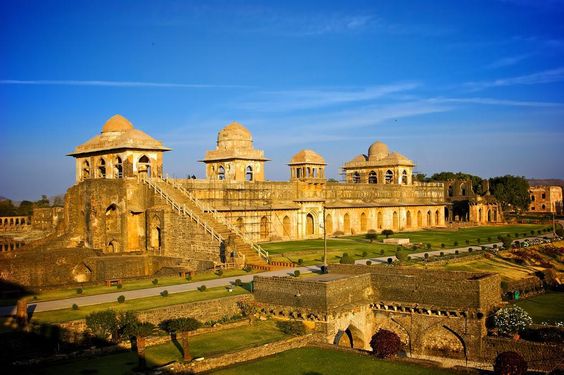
185,204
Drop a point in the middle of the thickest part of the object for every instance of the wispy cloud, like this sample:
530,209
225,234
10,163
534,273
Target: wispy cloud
546,76
292,100
492,101
507,61
115,84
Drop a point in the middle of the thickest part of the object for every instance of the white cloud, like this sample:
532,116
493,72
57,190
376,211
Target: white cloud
507,61
546,76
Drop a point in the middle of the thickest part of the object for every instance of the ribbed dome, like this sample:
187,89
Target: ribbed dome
117,123
307,157
378,150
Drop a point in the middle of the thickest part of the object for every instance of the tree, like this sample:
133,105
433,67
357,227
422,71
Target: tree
401,255
512,192
140,331
103,324
385,344
181,326
445,176
420,177
43,202
346,259
371,235
387,232
511,320
507,241
510,363
291,327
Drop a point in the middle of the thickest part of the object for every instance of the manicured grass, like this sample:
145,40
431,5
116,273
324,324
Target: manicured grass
326,362
311,251
57,316
546,307
200,346
55,294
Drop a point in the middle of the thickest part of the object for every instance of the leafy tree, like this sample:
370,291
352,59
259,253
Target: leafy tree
291,327
511,320
140,331
371,235
445,176
421,177
507,241
510,363
387,232
181,326
385,344
512,192
103,324
332,180
346,259
401,255
25,208
43,202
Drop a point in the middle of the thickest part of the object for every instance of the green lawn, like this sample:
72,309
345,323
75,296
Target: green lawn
57,316
316,361
63,293
546,307
311,251
200,346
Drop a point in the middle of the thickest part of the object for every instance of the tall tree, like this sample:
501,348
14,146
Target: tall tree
512,192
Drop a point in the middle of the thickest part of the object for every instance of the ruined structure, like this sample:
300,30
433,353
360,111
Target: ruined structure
435,313
123,206
466,206
546,199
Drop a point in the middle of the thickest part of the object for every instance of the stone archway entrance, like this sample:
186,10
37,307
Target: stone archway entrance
349,338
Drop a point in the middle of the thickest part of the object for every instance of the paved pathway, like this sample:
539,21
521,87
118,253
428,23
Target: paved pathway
155,291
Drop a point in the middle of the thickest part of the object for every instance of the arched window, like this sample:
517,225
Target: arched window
429,223
221,173
380,220
101,168
356,177
112,219
264,229
144,166
85,169
404,177
118,168
299,173
372,178
543,207
286,226
389,177
249,174
363,222
463,189
437,217
328,224
450,191
347,223
408,219
419,219
310,225
395,221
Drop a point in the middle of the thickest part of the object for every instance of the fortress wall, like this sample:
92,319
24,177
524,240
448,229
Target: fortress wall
285,290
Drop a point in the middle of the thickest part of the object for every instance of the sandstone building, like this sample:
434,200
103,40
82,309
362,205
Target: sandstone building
546,199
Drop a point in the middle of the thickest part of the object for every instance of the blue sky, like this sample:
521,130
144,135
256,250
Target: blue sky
472,86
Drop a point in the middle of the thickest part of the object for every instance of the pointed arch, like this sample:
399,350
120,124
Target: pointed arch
356,177
346,223
328,224
408,219
249,173
310,225
286,226
404,177
118,168
85,170
101,168
363,222
156,240
372,178
144,166
419,219
429,222
380,220
221,173
264,228
389,177
437,217
395,221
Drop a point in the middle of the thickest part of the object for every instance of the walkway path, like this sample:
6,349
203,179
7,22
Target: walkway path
155,291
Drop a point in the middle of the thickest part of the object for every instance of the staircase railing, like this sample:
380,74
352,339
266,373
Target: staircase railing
219,218
181,209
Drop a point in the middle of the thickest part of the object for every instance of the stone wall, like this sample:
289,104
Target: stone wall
539,356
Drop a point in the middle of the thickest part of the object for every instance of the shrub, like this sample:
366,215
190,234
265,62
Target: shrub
470,249
291,327
74,306
202,288
119,286
456,252
467,242
390,260
428,246
219,272
455,243
188,277
442,254
164,293
442,246
524,234
478,240
509,363
371,235
121,299
539,232
180,325
300,261
247,309
516,235
387,232
532,232
78,290
368,262
297,273
511,320
408,257
103,324
489,239
364,254
401,255
381,251
238,282
385,344
507,241
155,281
426,255
346,259
247,268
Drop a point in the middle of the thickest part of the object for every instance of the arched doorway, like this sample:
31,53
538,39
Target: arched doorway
286,226
328,224
437,217
380,220
240,224
85,170
419,219
264,229
101,168
429,223
118,168
155,233
389,177
221,173
350,338
346,223
144,166
408,219
310,225
363,222
395,221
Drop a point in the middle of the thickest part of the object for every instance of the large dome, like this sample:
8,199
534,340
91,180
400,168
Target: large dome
307,157
378,150
234,132
117,123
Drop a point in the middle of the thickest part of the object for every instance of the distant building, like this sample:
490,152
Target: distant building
546,199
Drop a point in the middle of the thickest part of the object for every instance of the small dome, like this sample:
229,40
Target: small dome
360,157
117,123
307,157
378,150
234,132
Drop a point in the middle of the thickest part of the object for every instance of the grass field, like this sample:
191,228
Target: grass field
57,316
63,293
545,307
311,251
200,346
326,362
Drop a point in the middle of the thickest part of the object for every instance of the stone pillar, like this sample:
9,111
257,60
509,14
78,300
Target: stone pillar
21,312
